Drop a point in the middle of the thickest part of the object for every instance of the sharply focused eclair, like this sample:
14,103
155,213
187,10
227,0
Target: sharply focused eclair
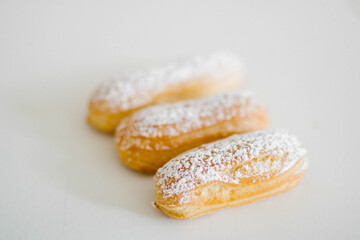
233,171
149,138
196,77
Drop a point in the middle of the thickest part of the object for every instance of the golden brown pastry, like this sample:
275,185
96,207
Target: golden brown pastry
152,136
196,77
236,170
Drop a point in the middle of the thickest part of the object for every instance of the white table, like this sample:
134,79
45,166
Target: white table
59,179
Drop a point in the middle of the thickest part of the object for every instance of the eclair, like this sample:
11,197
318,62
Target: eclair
149,138
233,171
193,78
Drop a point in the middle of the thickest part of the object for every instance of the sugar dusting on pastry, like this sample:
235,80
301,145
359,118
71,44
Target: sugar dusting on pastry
131,90
182,117
260,155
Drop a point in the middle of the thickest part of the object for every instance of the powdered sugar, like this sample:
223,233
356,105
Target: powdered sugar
131,90
182,117
257,155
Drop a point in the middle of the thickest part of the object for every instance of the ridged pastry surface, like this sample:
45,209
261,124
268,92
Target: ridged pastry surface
240,159
170,120
135,89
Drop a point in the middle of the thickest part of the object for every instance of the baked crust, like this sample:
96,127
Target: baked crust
228,173
194,78
151,137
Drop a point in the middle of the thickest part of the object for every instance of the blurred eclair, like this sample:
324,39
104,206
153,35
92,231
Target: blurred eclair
192,78
149,138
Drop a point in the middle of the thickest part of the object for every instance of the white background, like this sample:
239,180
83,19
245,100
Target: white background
60,179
